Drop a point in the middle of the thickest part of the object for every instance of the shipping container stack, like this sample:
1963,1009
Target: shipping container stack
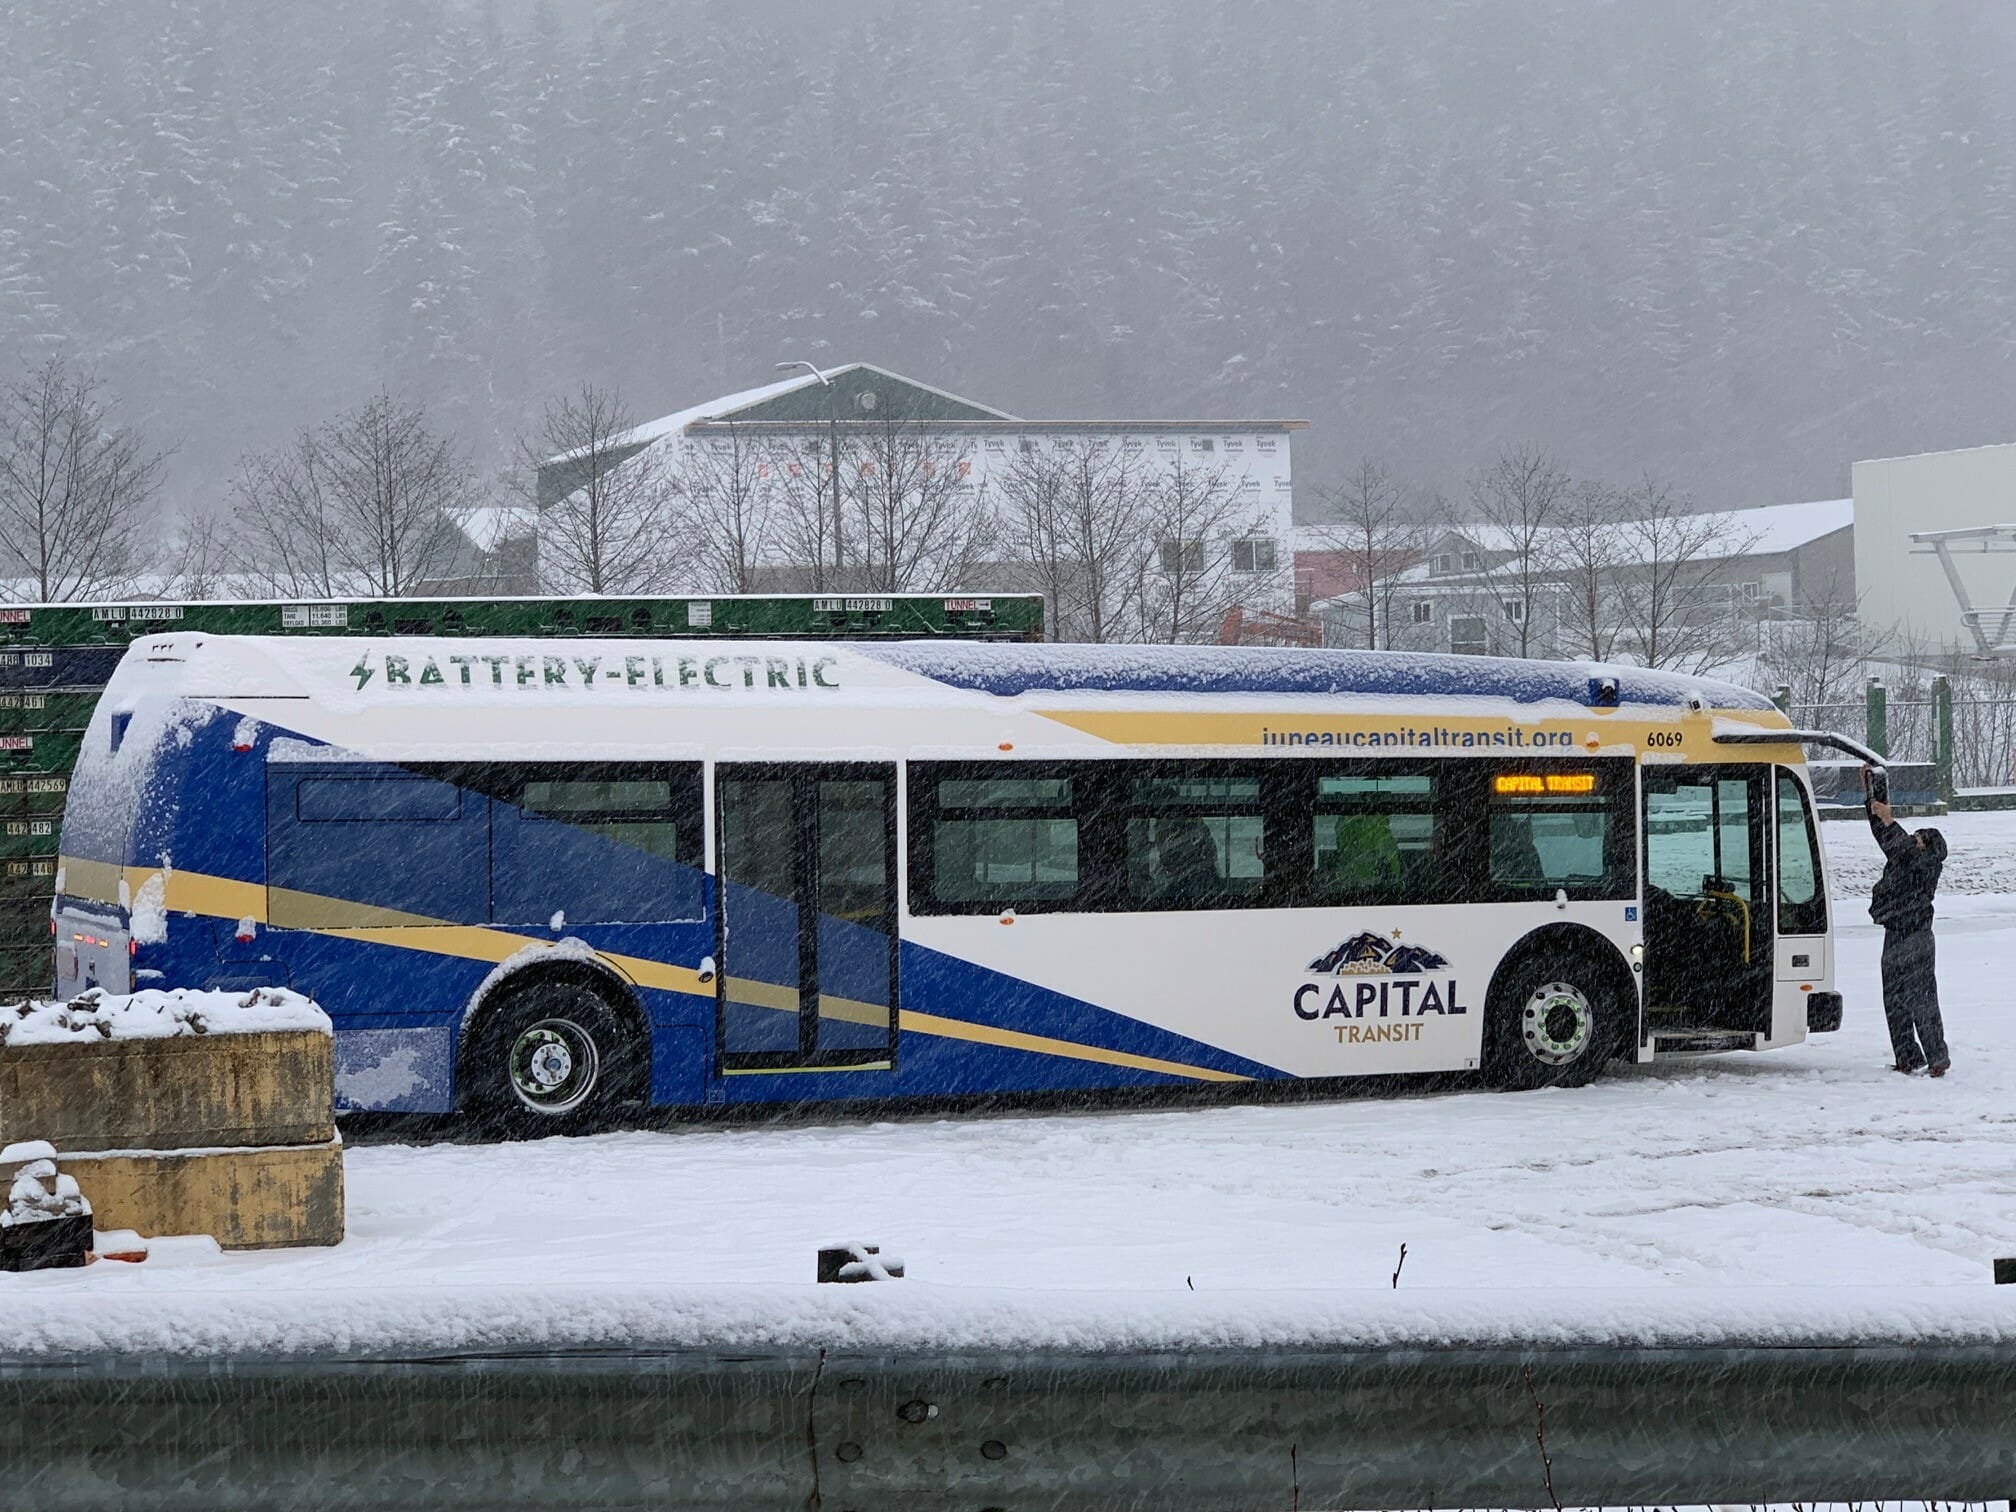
55,658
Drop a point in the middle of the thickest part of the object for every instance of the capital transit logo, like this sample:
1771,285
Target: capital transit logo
1393,983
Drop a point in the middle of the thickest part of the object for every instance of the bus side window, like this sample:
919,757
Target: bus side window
1196,837
373,846
1802,904
1554,830
1006,840
597,843
1375,834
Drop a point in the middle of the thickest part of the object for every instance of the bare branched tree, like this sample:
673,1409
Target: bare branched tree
1187,582
1587,549
610,533
75,489
916,520
1366,522
1072,517
199,559
803,519
1820,648
1521,496
368,503
1672,589
729,484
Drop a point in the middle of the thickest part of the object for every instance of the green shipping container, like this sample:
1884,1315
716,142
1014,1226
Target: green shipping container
1016,616
27,710
33,794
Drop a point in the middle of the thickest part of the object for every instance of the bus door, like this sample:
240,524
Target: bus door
1709,927
807,922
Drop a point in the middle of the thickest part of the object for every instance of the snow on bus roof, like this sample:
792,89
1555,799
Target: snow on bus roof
1013,669
1010,669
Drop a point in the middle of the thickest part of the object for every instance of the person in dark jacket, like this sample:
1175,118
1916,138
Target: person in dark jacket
1902,903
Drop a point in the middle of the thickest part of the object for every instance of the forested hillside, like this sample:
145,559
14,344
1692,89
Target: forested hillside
1737,242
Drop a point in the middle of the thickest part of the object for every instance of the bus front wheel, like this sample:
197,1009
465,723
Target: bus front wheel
1553,1023
551,1057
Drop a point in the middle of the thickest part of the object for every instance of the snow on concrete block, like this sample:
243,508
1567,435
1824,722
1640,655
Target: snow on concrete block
155,1014
167,1071
857,1262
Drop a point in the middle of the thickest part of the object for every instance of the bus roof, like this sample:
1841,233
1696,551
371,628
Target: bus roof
276,666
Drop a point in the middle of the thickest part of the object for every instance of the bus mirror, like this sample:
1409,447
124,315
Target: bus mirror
706,972
1603,693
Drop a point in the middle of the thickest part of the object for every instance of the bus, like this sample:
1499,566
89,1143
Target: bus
537,881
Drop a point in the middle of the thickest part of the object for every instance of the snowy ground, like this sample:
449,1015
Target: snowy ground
1810,1192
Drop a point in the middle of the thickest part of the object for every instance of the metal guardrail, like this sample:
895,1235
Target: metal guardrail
1083,1432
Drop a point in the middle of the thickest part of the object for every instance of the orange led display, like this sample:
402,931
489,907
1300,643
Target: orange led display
1531,785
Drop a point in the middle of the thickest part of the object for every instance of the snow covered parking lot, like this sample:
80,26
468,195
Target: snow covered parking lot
1808,1192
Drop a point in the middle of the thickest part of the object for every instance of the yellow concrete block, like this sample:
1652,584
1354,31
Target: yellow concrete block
202,1091
243,1198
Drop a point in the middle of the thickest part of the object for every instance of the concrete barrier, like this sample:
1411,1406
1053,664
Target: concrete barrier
183,1092
261,1198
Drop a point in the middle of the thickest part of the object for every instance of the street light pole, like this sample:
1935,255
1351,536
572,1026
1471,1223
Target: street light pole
833,453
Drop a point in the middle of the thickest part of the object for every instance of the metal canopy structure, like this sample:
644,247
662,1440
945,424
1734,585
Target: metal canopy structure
1990,627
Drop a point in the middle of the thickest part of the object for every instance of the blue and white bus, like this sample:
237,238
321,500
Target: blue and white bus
542,880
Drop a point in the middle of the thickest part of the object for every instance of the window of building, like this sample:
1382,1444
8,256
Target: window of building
1421,612
1253,556
1442,565
1515,611
1471,561
1468,636
1182,557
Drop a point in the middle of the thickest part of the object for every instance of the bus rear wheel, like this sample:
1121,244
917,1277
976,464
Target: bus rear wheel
551,1057
1552,1023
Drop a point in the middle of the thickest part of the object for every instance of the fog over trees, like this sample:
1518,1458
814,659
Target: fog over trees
1736,243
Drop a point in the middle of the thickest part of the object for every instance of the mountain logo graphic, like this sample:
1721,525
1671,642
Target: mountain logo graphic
1368,954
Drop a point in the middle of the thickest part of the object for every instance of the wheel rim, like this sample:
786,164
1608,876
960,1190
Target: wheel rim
554,1066
1557,1024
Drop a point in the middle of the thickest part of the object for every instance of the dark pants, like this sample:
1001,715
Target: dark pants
1911,998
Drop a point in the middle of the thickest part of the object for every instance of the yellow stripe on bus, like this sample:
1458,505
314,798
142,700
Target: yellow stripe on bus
1039,1044
1425,733
222,898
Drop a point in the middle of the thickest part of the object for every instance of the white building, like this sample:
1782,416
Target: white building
810,422
1468,593
1903,585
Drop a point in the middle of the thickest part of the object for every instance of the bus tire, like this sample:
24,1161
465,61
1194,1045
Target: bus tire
549,1056
1553,1021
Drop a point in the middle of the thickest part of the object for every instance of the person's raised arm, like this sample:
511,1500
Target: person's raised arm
1891,835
